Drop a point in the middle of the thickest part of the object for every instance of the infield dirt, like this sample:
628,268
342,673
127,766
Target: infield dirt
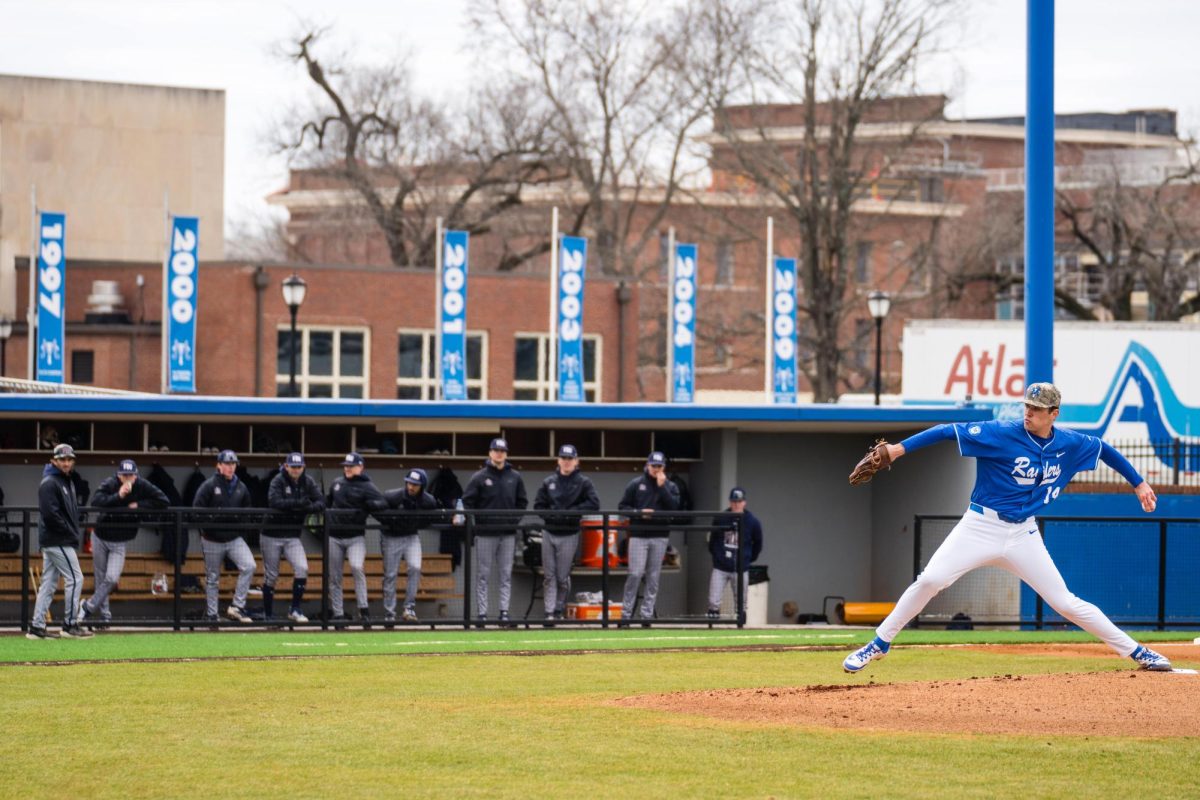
1120,703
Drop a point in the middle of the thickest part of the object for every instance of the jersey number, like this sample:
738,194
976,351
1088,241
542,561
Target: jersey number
1051,493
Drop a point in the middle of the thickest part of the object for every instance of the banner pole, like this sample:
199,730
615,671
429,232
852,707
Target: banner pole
768,319
552,344
670,314
31,312
437,312
164,361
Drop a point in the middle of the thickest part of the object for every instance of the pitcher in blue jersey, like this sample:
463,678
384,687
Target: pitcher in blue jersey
1020,469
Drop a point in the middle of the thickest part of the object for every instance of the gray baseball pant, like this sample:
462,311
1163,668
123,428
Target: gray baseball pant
558,553
719,580
395,549
214,558
108,561
645,558
354,550
59,561
489,550
273,547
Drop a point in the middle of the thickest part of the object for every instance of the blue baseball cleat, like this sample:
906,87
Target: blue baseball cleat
1148,659
876,648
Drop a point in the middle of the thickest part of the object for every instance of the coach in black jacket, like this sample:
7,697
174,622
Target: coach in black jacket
292,495
115,530
218,541
648,494
567,489
496,486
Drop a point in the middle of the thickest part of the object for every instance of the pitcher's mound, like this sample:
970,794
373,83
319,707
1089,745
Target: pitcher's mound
1131,703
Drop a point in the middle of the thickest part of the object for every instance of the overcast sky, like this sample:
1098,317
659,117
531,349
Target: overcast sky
1112,55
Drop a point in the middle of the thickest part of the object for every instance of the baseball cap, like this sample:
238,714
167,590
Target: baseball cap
64,451
127,467
227,457
656,459
353,460
295,460
499,443
1043,395
416,476
568,451
737,493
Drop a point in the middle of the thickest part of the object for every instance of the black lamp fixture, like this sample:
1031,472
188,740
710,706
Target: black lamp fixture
294,289
879,303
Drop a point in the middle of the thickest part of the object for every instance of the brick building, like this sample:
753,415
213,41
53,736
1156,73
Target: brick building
918,216
365,332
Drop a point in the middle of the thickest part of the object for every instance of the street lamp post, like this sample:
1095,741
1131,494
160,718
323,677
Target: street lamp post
879,303
294,289
6,326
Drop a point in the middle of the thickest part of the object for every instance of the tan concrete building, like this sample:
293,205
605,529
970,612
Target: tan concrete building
106,155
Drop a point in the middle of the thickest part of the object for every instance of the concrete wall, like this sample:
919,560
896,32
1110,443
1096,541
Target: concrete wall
105,154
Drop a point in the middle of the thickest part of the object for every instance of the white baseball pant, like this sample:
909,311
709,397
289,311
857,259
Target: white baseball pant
981,540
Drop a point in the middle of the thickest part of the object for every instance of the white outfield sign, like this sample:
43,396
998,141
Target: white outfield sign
1118,380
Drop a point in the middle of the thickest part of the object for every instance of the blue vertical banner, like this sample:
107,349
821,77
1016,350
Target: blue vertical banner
453,316
51,296
683,324
572,267
180,290
783,331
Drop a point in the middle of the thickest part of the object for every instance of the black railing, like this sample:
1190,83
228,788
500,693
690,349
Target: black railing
1167,462
178,523
1140,571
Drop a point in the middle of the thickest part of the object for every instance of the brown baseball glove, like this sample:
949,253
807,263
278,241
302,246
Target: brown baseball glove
877,458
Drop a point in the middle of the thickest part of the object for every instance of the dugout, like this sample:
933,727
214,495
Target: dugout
821,535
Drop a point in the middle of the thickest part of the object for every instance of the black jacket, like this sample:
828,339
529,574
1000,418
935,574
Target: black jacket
58,510
359,494
292,501
574,492
406,524
498,489
722,543
216,492
644,492
123,526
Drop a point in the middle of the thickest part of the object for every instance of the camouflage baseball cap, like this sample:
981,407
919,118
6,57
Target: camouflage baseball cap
1043,395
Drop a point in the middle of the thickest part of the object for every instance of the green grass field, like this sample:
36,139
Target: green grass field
368,717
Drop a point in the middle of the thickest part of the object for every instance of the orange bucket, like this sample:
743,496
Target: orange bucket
595,540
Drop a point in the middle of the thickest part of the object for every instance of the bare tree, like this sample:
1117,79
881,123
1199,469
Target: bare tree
841,63
1143,237
407,160
620,110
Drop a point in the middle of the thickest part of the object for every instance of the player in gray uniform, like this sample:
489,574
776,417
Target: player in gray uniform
224,490
114,531
649,533
354,496
567,489
400,540
496,486
293,494
58,538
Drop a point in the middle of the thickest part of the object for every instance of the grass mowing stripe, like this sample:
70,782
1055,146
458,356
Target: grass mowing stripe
169,645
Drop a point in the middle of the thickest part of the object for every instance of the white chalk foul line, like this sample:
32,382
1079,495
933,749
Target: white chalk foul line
511,642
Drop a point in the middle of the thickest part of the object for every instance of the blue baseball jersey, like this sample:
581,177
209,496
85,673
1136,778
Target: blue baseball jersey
1018,475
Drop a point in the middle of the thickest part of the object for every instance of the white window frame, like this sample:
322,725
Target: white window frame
545,385
429,385
336,381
